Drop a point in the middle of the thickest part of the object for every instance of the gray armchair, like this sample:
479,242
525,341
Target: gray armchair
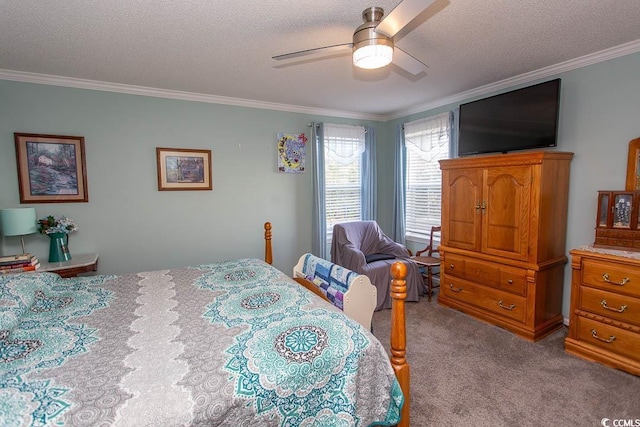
361,246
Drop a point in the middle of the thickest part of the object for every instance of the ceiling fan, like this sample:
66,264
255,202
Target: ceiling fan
372,44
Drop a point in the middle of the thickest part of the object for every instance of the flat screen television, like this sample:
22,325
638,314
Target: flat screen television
521,119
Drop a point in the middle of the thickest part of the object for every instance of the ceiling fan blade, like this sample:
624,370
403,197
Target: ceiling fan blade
407,62
327,49
401,15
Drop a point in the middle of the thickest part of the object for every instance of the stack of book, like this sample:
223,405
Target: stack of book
18,263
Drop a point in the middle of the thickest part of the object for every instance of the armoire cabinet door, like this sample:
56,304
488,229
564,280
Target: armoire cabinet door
505,220
461,208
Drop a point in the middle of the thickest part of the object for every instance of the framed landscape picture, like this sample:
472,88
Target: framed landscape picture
51,168
184,169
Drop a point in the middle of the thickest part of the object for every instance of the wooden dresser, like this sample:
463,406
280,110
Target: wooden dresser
503,253
604,323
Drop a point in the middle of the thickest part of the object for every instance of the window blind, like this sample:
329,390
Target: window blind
343,148
426,142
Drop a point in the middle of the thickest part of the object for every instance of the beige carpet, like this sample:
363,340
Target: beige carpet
467,373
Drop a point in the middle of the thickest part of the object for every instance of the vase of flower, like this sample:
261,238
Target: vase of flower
59,247
58,229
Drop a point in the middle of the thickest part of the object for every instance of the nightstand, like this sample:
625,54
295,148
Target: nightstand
82,263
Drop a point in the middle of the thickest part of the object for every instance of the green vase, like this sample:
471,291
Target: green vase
58,248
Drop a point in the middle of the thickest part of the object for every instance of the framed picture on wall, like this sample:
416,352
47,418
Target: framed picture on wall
291,152
184,169
51,168
633,166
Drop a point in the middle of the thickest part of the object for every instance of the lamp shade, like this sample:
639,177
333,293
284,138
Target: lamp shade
373,56
18,221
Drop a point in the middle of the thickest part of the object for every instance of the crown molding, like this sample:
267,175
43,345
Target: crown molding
47,79
553,70
583,61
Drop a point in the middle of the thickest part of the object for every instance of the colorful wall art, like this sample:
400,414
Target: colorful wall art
292,152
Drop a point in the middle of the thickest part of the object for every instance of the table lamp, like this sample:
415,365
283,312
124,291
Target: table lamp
18,222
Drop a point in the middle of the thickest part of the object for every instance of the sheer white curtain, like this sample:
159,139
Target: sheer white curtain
344,144
429,137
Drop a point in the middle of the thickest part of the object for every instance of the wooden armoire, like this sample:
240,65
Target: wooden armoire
504,221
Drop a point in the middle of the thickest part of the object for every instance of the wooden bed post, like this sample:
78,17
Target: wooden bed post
399,335
268,256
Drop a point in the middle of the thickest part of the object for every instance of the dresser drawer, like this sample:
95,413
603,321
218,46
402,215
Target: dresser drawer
611,338
502,303
513,280
615,234
601,241
453,265
482,272
621,243
609,304
487,273
611,276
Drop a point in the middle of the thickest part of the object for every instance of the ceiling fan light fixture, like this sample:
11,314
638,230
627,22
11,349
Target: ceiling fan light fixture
370,49
373,45
373,56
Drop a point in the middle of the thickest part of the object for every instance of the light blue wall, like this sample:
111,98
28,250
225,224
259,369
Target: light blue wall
599,115
132,225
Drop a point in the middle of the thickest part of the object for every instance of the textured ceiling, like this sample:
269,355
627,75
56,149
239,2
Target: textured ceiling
224,49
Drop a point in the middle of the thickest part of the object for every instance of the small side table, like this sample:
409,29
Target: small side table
78,264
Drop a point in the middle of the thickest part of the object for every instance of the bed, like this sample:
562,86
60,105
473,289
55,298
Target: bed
233,343
351,292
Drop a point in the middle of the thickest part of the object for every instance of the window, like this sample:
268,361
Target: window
343,149
426,142
344,180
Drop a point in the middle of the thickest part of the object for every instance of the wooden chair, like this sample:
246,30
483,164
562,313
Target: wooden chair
429,262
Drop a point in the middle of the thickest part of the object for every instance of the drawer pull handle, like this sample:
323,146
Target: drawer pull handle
454,289
611,339
452,266
510,307
617,310
510,282
623,282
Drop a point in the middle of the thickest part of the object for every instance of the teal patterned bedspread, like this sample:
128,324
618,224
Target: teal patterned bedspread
234,343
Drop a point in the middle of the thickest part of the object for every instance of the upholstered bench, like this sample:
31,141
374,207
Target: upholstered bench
351,292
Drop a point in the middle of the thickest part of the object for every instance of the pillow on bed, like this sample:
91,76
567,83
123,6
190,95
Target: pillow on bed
377,257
